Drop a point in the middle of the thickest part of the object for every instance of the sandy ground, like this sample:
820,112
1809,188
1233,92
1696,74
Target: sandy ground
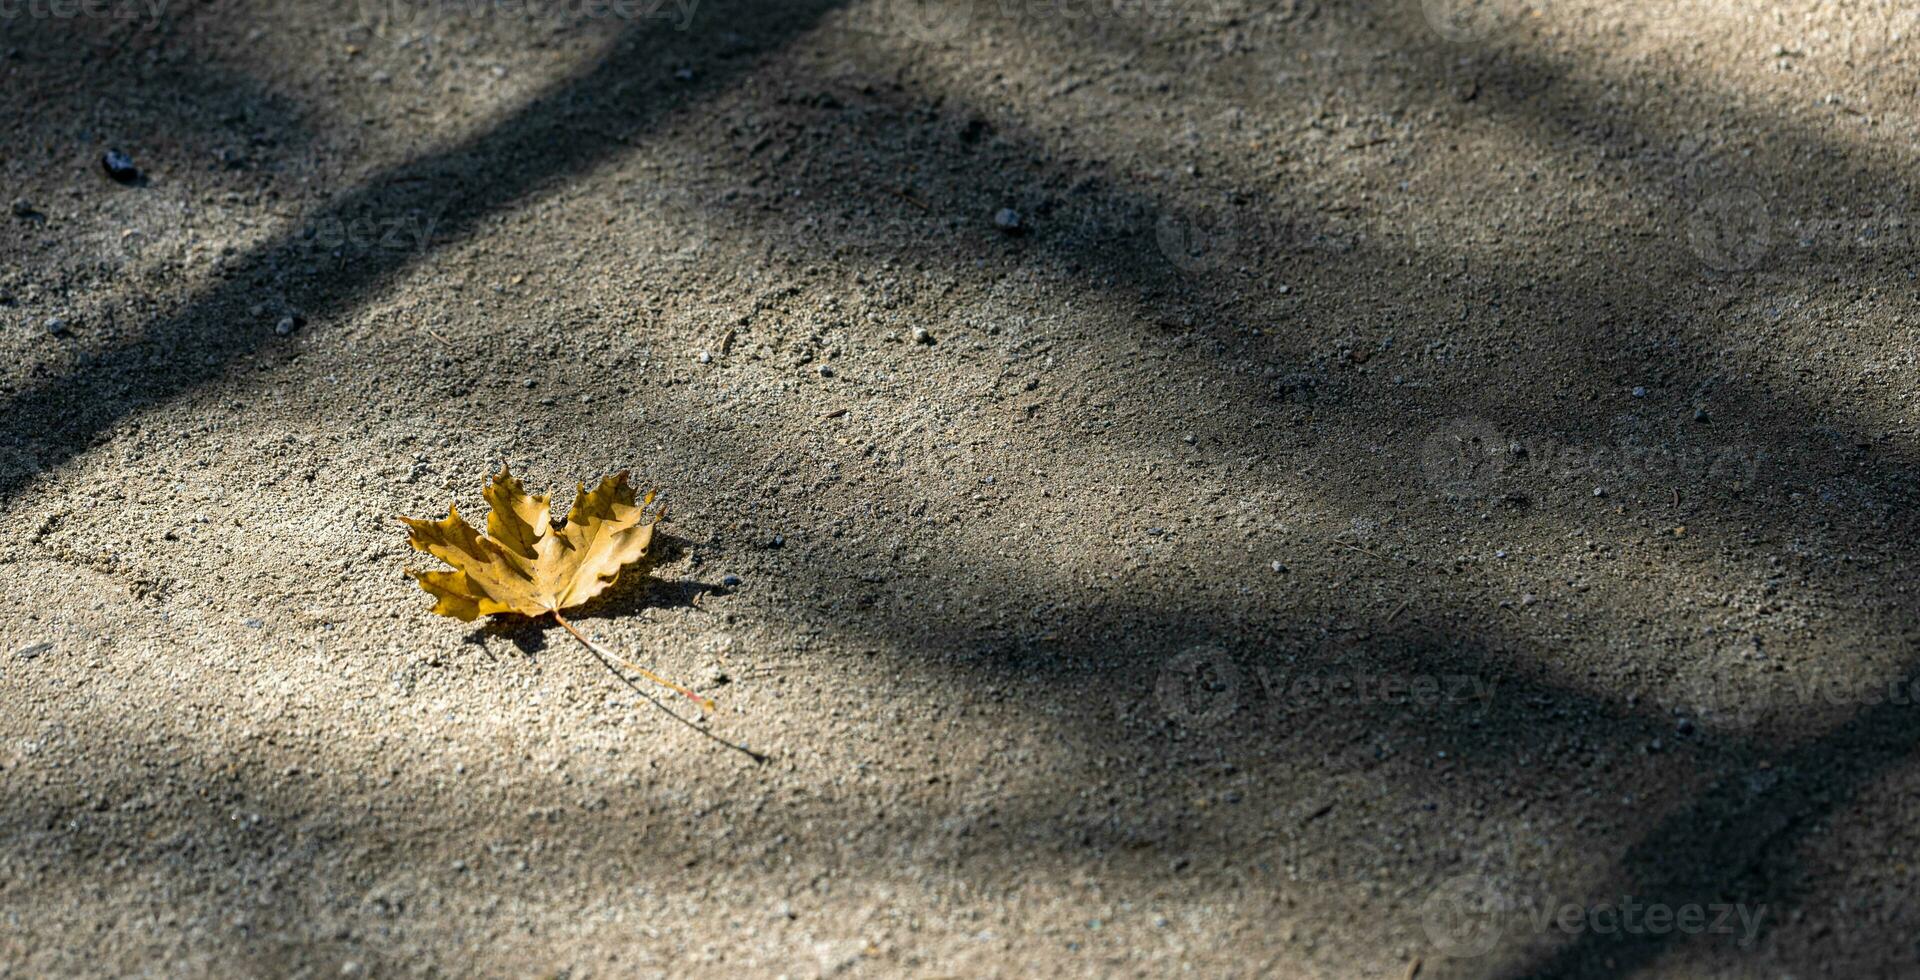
1221,488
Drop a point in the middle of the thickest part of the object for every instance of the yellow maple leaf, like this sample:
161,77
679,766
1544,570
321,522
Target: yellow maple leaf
524,563
527,564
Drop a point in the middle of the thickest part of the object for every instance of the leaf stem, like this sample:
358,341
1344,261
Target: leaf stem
607,659
706,704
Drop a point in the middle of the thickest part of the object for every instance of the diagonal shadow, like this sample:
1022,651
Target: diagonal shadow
1734,844
1695,834
574,125
1707,847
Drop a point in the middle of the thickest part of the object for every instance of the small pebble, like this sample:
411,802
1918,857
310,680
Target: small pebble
1007,220
285,326
1639,392
1684,726
1700,415
1279,567
120,167
683,74
921,336
1599,491
729,580
779,541
23,208
56,326
705,358
826,371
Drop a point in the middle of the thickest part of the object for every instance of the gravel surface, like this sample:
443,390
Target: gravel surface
1292,488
